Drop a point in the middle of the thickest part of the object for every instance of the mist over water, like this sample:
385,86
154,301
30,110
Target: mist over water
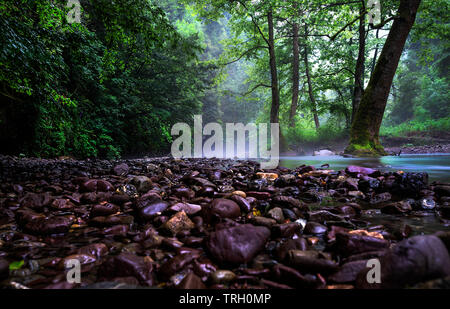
436,165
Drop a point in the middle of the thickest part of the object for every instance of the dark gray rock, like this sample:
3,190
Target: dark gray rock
238,244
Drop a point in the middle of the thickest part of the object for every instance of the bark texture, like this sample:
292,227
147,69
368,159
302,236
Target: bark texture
364,136
308,78
295,74
275,109
359,70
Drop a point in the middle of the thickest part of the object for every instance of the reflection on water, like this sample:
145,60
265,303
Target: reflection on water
436,165
420,223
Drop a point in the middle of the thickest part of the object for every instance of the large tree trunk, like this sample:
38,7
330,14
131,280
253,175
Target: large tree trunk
364,136
275,109
295,74
308,78
359,70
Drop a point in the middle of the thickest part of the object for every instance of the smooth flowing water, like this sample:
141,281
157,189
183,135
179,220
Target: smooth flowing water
436,165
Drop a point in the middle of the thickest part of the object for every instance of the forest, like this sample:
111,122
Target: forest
115,83
93,196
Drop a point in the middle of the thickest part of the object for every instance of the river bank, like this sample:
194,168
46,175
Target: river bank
391,146
426,149
209,223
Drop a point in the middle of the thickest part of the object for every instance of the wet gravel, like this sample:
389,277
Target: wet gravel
209,223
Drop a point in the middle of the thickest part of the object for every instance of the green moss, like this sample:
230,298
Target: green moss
368,149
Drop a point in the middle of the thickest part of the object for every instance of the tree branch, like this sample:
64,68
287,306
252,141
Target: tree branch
256,87
255,23
244,54
347,25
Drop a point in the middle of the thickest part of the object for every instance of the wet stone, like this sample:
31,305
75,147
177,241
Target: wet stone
95,185
322,216
286,230
380,198
191,282
96,250
184,193
179,222
243,203
348,272
224,208
396,208
142,183
62,204
211,223
276,214
84,259
263,221
291,244
121,169
150,206
175,264
189,209
349,244
309,263
414,260
105,209
259,195
427,203
35,201
355,170
48,226
223,276
237,244
314,228
128,264
287,201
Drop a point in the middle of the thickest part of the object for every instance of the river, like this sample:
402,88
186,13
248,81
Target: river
436,165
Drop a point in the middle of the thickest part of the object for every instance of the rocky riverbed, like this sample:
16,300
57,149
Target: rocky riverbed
208,223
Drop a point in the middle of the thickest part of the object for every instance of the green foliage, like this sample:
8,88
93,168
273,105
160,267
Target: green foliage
112,85
304,133
421,91
415,126
116,83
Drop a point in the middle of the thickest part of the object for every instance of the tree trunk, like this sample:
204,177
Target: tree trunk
295,74
364,136
374,61
359,70
308,78
275,109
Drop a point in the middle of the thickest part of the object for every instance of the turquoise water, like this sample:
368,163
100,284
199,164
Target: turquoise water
436,165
